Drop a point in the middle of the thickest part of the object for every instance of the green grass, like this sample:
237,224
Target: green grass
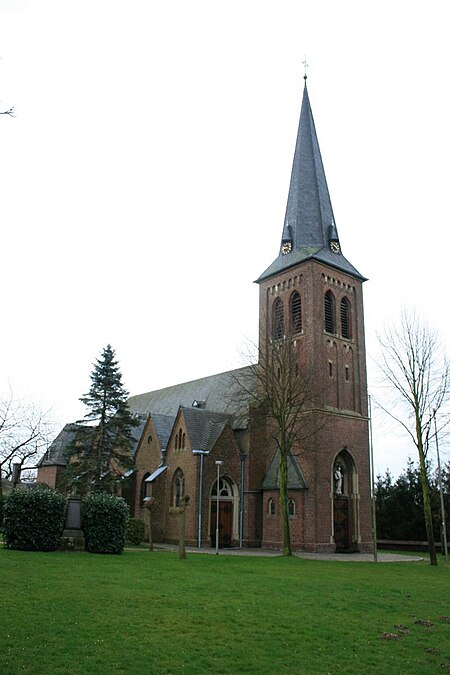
144,612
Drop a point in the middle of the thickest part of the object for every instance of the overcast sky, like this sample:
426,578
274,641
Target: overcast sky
144,178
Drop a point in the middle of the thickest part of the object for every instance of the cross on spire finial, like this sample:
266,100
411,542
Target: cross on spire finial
305,65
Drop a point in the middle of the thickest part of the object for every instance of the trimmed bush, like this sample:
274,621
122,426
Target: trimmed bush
104,521
33,519
135,531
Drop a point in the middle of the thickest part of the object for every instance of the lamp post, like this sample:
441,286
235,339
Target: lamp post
218,464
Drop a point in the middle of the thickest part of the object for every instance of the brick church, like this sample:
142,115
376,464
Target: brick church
209,440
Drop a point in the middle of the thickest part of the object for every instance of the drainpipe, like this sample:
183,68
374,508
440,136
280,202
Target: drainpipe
241,502
200,496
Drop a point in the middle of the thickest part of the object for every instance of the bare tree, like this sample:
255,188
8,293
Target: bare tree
24,433
284,390
416,369
9,112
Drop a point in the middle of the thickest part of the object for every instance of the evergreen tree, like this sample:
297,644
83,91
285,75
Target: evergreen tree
399,504
102,453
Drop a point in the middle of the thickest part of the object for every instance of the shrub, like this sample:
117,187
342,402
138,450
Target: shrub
104,520
135,531
33,519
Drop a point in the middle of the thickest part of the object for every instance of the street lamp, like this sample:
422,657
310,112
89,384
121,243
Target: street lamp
219,463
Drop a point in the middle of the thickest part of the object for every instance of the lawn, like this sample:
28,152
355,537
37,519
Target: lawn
143,612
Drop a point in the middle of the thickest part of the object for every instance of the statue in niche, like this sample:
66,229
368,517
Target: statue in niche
338,479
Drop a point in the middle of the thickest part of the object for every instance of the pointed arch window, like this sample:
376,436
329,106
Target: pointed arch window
346,323
271,507
177,487
277,319
296,312
180,440
330,313
291,507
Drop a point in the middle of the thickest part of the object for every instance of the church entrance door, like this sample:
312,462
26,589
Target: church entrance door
225,523
341,523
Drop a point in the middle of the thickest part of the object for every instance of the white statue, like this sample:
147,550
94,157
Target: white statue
338,479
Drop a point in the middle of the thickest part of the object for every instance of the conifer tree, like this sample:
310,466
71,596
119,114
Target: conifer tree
101,453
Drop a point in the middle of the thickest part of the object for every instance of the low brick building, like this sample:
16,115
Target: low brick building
191,433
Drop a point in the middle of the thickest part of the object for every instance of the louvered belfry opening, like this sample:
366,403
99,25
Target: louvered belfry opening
278,320
346,326
330,322
296,312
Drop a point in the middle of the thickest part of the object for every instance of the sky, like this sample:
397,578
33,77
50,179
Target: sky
144,179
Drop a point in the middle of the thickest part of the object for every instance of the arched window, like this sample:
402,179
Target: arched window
144,486
330,319
271,507
277,319
346,323
177,487
291,507
296,312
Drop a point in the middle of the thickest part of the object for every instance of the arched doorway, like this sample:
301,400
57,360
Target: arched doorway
345,502
228,512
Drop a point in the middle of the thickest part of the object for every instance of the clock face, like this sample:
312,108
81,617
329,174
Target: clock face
286,247
334,245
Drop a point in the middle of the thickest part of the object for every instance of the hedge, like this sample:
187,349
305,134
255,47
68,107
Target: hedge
104,519
33,519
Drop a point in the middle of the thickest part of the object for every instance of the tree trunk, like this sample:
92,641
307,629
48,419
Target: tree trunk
182,541
426,496
285,528
150,534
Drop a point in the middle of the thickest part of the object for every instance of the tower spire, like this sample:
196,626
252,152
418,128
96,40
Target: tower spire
309,229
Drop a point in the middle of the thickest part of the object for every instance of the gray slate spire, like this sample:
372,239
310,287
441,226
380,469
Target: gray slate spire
309,228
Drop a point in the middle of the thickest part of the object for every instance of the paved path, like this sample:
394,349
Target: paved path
334,557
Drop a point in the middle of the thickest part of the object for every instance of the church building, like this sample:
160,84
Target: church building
209,439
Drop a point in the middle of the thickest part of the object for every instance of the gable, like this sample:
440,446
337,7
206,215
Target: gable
296,480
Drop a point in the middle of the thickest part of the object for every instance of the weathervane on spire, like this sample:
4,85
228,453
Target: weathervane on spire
305,65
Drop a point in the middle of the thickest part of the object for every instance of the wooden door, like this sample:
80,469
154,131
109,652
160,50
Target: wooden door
225,523
341,524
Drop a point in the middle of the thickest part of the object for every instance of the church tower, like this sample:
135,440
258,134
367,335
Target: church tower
311,296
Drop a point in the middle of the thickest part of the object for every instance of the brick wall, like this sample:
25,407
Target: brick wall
50,475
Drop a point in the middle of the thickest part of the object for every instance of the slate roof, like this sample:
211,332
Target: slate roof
309,222
204,427
221,393
56,454
296,480
136,432
163,426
